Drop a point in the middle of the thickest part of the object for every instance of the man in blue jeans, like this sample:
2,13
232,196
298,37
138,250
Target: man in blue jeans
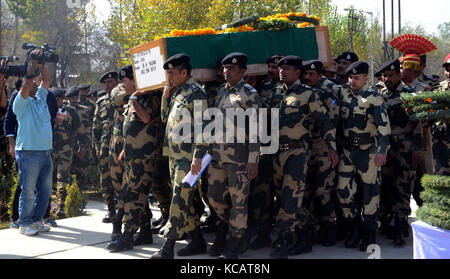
34,147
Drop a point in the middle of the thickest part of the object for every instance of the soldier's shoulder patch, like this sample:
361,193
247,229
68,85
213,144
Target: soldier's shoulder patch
101,99
250,88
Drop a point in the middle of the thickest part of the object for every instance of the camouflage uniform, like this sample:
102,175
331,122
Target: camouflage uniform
142,156
428,80
320,186
119,98
398,174
184,214
366,129
68,132
227,175
261,197
101,133
298,105
441,140
79,165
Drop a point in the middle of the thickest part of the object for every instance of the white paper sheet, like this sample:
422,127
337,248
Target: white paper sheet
192,179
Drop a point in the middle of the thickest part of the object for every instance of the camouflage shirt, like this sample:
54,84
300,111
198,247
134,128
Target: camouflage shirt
300,105
240,96
182,100
267,91
364,115
398,119
69,132
91,106
120,98
442,86
430,81
103,122
419,86
143,140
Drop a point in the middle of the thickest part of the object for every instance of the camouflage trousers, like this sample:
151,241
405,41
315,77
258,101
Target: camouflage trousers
62,162
228,192
186,206
320,185
290,182
358,174
117,170
79,166
397,179
105,176
143,175
261,197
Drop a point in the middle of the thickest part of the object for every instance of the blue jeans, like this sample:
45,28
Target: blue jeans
35,178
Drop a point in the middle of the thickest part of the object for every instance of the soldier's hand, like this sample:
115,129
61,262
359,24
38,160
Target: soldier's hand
138,93
416,157
252,170
121,155
380,160
196,166
12,150
333,157
168,89
82,153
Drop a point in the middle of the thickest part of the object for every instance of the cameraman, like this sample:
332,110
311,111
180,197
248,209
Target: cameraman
33,148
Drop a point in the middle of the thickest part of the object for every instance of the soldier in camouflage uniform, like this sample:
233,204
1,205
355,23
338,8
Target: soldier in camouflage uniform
142,152
429,80
68,132
78,166
320,185
101,133
440,131
185,154
84,100
234,164
261,201
398,174
298,105
366,130
343,62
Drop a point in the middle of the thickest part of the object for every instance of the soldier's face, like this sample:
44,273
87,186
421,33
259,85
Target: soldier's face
391,79
110,83
408,75
59,102
311,77
289,74
357,81
176,76
273,72
73,100
447,71
233,73
83,94
128,84
342,66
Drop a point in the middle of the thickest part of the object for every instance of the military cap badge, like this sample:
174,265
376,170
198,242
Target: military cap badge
234,61
170,66
313,66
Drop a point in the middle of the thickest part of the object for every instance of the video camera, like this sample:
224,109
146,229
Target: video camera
48,56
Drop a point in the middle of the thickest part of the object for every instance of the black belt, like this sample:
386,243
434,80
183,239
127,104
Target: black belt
354,142
287,146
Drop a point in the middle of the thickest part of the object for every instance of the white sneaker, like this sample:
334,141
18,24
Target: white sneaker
28,230
40,227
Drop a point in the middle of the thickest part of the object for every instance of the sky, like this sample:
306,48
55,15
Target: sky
428,13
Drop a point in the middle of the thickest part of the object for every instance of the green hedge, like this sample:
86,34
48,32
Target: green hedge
434,215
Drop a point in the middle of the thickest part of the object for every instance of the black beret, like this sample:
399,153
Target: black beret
274,59
236,58
349,56
393,65
84,86
358,67
126,71
313,65
72,91
101,93
58,92
176,60
92,93
291,60
113,75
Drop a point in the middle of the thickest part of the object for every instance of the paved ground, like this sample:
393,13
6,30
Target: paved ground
86,238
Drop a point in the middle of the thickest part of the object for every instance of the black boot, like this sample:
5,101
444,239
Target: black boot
354,236
144,236
327,234
262,239
231,250
219,243
398,231
117,226
196,246
166,251
158,224
109,217
369,237
125,242
283,243
210,224
244,243
303,243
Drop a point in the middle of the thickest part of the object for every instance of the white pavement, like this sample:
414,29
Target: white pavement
86,237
